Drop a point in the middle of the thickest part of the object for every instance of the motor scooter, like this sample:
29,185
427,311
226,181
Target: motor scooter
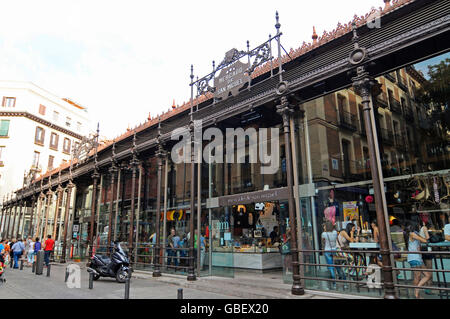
118,266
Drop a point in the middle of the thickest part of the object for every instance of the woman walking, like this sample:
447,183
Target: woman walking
329,237
30,252
415,260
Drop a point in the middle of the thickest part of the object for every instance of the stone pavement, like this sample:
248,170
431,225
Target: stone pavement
24,284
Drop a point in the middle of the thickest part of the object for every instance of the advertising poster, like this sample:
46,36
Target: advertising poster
350,210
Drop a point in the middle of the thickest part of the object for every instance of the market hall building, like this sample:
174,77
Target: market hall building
360,122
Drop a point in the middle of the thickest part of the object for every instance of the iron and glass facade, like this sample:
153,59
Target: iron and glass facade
359,139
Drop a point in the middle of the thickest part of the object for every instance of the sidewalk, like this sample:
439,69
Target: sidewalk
243,285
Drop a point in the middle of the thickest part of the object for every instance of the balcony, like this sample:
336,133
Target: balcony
347,121
395,106
409,114
402,84
382,100
400,142
390,76
354,170
387,136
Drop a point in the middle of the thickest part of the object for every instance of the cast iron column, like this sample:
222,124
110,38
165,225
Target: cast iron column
41,202
9,213
23,212
59,194
66,220
191,272
285,110
112,171
13,235
95,178
366,86
134,162
3,219
159,156
363,83
30,227
49,203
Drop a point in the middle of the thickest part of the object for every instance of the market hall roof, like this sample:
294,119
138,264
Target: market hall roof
295,57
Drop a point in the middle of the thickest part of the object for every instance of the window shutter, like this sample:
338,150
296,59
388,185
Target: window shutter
4,128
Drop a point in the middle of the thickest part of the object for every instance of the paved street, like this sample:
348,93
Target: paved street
23,284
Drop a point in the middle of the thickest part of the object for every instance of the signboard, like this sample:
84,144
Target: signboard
350,210
254,197
231,78
75,228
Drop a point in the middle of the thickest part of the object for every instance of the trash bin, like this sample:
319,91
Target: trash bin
40,262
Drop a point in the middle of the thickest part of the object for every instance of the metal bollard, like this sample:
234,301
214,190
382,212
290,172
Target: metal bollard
48,270
21,264
67,275
91,280
33,267
127,285
127,288
180,293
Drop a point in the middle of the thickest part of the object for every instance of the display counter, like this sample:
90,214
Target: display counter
247,260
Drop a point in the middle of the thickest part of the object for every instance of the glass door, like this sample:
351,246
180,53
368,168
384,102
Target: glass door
221,244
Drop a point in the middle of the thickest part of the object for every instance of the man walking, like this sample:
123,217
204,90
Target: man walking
17,249
48,249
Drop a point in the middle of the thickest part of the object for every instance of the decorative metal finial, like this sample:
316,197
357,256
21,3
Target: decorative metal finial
277,25
355,36
358,54
214,65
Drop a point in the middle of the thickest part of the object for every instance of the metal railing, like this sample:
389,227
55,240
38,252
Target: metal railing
395,106
409,113
347,120
354,268
387,136
382,100
402,83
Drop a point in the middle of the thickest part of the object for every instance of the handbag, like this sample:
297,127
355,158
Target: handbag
285,248
436,238
340,255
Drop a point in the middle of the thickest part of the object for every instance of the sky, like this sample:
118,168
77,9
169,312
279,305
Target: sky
124,60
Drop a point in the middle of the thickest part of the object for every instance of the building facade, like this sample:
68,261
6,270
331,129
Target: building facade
38,132
360,135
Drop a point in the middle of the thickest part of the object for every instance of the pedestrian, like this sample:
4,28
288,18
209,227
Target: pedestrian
183,250
17,250
48,249
415,260
329,237
30,251
7,250
11,254
172,242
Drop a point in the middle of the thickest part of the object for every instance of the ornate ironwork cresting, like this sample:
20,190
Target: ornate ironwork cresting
255,57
